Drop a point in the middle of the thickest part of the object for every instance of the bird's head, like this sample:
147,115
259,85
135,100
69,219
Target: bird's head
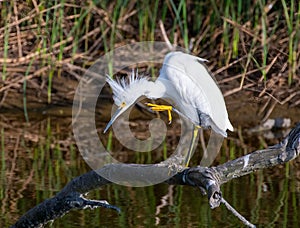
125,94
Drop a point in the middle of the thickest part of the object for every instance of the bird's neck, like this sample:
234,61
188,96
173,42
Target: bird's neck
155,89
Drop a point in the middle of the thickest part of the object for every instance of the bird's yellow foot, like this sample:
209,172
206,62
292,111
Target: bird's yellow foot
161,108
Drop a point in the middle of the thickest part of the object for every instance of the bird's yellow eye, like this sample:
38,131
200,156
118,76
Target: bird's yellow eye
123,104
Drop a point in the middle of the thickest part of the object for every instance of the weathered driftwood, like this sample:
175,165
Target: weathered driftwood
208,179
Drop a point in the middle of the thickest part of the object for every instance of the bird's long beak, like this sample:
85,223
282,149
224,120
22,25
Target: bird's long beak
113,118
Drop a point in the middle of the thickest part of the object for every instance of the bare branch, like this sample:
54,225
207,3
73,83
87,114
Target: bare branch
207,179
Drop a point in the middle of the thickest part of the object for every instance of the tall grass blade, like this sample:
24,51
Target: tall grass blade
6,13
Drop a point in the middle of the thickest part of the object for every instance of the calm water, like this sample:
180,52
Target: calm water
38,158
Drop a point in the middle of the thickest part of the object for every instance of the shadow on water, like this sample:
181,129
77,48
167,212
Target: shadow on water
38,158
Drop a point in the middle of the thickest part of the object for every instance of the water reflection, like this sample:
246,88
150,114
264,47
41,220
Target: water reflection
38,158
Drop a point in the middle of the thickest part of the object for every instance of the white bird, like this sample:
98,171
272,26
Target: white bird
186,81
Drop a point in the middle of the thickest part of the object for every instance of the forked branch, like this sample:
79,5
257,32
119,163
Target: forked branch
207,179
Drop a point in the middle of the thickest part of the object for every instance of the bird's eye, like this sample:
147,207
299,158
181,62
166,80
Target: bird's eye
123,104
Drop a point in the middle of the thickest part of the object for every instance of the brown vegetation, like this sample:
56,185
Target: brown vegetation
46,46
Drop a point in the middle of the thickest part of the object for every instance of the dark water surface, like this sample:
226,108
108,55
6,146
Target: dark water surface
38,158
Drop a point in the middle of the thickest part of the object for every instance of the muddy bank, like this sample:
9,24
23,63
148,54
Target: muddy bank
244,108
43,60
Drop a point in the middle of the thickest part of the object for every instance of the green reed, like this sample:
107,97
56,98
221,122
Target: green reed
147,19
24,91
3,165
181,20
264,44
292,34
6,13
68,24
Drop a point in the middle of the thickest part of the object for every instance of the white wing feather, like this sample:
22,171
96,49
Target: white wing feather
196,87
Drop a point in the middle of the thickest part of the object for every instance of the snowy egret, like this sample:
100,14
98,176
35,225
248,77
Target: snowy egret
186,81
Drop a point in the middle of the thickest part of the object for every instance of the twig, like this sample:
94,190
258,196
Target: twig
164,34
18,30
208,179
236,213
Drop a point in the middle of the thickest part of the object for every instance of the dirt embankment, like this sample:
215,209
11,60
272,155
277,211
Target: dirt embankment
46,48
